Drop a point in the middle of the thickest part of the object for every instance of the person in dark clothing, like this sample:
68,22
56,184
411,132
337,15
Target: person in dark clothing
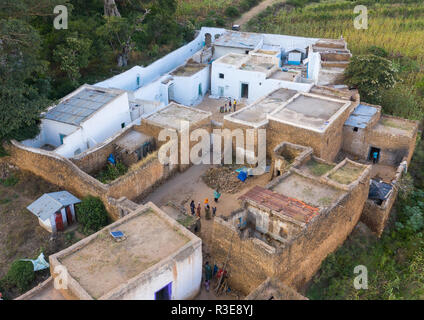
199,208
192,207
213,211
375,157
208,275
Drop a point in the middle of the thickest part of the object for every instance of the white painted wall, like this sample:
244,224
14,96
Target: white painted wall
186,89
128,79
97,128
259,86
221,51
186,281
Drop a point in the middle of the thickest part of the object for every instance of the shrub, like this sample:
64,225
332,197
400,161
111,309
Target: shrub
92,214
112,172
20,275
232,12
378,51
370,74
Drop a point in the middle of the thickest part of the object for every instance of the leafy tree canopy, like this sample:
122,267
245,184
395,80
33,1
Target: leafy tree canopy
370,74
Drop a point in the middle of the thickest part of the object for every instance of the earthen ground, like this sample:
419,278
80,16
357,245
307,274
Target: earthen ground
213,105
21,236
189,185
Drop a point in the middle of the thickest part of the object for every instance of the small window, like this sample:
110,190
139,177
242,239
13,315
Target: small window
123,125
221,76
247,51
355,129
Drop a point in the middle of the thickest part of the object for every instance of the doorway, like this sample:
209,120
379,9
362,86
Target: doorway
220,91
165,293
374,150
245,90
59,221
200,90
69,215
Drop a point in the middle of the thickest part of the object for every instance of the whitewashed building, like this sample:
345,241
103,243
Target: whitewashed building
82,119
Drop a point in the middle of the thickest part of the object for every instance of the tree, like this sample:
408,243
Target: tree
110,8
119,32
92,214
20,275
20,66
72,56
370,74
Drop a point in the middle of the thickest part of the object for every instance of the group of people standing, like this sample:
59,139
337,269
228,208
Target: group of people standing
227,107
197,210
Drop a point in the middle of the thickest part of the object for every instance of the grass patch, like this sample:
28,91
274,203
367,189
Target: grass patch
317,168
186,221
395,124
9,181
5,201
346,174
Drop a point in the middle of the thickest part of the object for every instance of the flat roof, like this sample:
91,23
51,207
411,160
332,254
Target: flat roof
290,207
172,115
284,75
239,39
132,140
310,191
309,111
232,58
188,69
257,112
80,106
361,116
396,126
102,264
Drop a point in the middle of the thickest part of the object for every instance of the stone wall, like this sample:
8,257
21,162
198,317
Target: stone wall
251,260
293,262
274,289
137,182
375,216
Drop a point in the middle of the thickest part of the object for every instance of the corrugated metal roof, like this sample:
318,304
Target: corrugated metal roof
49,203
80,106
239,40
290,207
361,116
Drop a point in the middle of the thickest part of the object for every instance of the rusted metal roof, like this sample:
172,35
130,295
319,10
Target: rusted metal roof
290,207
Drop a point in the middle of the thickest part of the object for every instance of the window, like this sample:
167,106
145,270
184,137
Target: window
221,76
247,51
355,129
123,125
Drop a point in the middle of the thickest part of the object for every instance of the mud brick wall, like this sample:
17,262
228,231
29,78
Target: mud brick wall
55,169
94,160
333,136
58,170
394,147
278,132
153,130
274,288
375,216
301,259
251,261
141,179
230,125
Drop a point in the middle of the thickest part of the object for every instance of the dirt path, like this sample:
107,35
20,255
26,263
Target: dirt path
254,11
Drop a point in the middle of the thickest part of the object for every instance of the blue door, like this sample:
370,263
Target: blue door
165,293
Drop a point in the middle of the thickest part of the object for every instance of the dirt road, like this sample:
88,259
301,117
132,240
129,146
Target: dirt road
254,11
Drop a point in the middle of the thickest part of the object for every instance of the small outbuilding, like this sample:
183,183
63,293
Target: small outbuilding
55,211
